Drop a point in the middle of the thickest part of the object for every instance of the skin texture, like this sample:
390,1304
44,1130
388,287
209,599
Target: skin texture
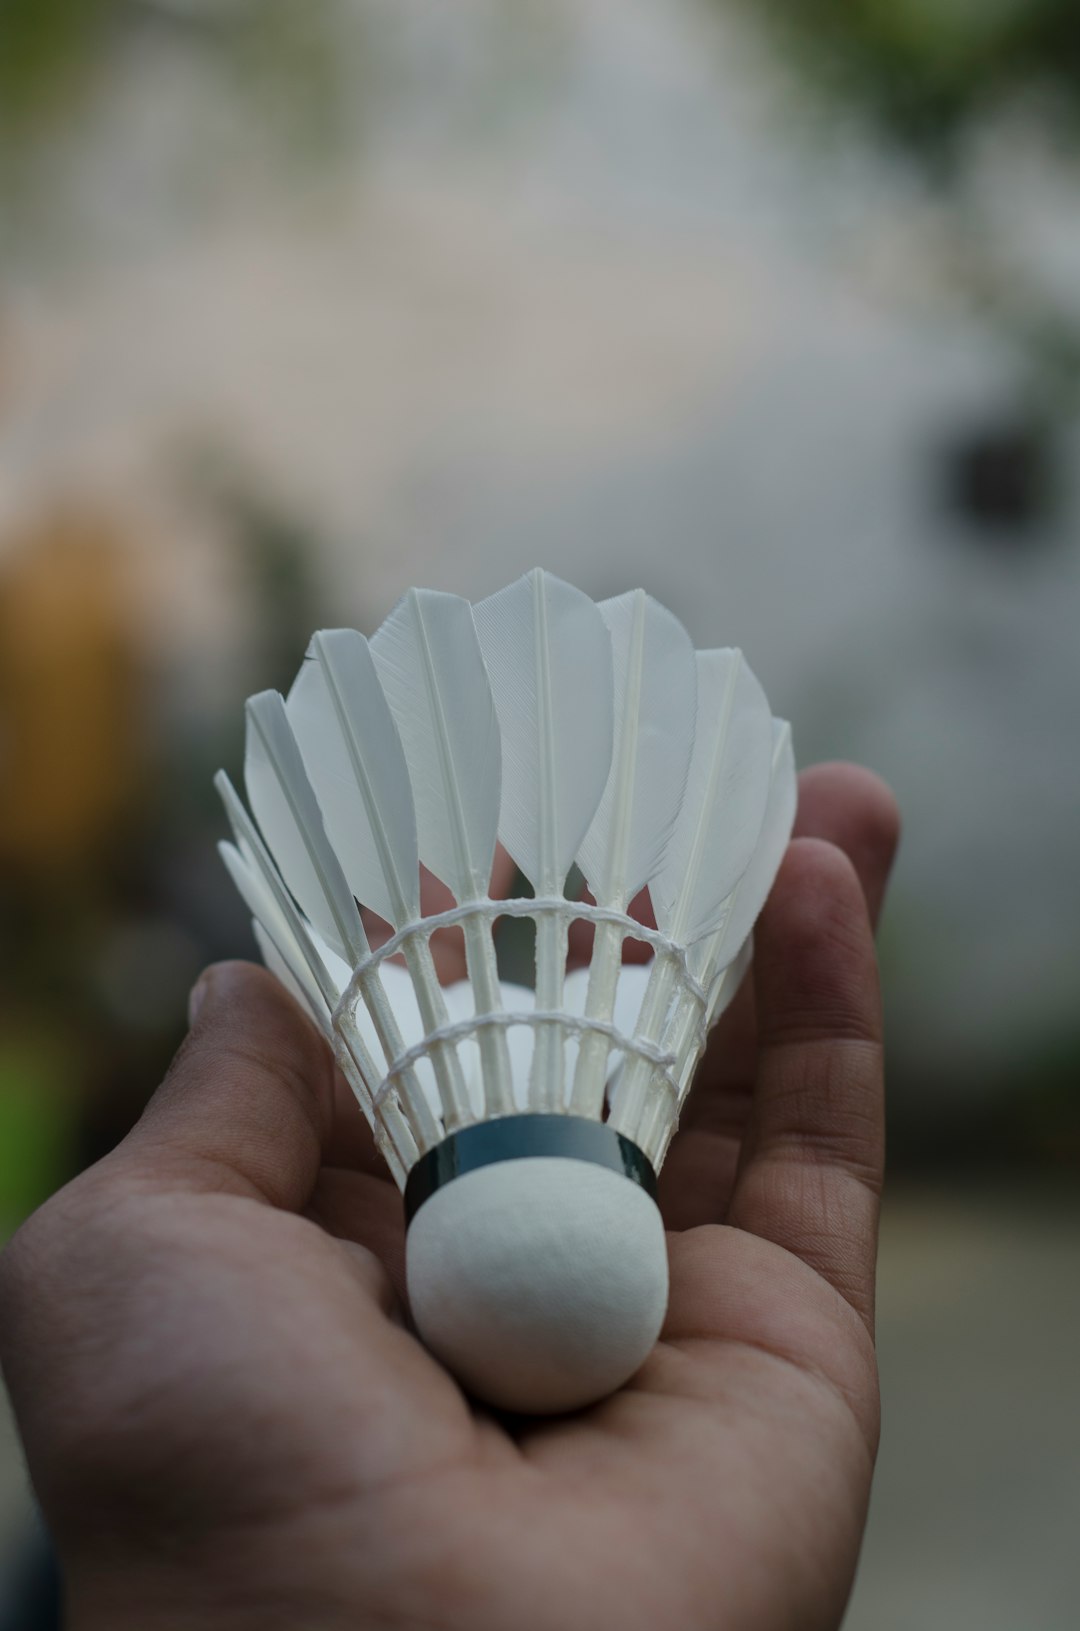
229,1425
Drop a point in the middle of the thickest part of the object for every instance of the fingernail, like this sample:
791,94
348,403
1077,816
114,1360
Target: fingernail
197,997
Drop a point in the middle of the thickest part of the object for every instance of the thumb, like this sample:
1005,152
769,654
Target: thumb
247,1104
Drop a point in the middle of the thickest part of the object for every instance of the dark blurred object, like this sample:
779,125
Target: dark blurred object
1001,479
1026,1117
31,1599
924,70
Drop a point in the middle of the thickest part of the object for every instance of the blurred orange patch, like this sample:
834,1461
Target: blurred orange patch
68,692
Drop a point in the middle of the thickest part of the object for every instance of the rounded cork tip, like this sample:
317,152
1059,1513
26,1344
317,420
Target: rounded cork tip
541,1283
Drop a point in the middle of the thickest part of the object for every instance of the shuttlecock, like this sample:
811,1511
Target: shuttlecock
526,1127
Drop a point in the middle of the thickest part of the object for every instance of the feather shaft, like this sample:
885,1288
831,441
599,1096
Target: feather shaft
551,930
714,838
350,745
432,672
655,686
548,653
353,747
285,806
713,963
382,1015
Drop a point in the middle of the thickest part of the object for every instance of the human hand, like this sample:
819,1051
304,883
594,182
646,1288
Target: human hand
229,1425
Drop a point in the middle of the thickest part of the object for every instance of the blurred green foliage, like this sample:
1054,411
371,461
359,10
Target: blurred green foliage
925,70
285,54
43,46
36,1133
291,58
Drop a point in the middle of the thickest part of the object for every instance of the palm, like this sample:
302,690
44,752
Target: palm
724,1486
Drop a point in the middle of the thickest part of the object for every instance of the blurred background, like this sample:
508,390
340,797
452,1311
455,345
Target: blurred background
771,306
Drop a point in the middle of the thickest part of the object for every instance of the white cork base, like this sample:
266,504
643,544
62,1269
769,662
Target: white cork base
541,1283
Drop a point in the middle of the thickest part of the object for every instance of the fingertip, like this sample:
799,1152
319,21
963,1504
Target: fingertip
231,979
855,809
860,786
816,880
196,998
243,1008
814,959
207,989
250,1095
243,992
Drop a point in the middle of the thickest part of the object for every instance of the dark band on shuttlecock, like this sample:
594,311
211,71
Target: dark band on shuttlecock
517,1138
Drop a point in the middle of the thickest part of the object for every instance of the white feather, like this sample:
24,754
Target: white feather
323,957
316,971
428,660
354,757
655,689
548,653
549,656
725,986
273,926
719,961
288,814
264,893
655,680
726,792
750,892
301,991
724,806
429,663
